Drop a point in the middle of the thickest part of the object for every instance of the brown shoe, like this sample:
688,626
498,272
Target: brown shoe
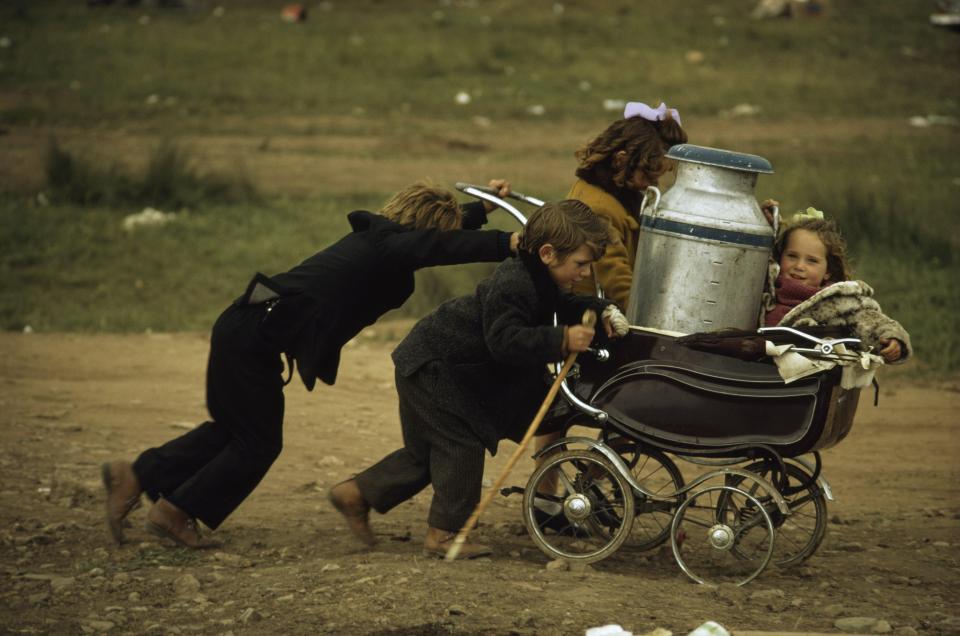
169,522
123,494
348,500
437,543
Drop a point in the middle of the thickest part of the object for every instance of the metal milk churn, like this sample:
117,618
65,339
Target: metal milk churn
703,246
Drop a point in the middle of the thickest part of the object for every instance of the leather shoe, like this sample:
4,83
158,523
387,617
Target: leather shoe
123,494
169,522
348,500
438,542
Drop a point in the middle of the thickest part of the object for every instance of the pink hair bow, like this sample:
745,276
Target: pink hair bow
639,109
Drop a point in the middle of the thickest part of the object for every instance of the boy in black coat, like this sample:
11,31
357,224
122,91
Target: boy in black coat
307,314
472,373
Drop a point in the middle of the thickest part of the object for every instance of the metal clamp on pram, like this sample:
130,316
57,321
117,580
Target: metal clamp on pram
824,348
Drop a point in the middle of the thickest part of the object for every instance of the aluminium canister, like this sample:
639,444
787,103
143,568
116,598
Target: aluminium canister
703,246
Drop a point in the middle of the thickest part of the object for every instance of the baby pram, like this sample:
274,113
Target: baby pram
752,441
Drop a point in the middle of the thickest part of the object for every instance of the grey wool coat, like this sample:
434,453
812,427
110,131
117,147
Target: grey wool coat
850,304
492,347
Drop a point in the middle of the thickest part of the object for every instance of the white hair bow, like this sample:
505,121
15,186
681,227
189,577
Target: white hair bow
660,113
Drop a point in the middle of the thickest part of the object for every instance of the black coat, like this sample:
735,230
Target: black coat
327,299
493,345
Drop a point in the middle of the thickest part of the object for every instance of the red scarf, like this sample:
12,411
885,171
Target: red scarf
789,294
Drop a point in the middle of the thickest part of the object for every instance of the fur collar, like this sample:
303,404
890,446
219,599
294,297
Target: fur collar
852,288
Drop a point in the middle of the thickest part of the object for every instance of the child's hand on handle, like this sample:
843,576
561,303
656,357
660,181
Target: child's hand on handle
614,322
503,188
890,349
577,338
768,207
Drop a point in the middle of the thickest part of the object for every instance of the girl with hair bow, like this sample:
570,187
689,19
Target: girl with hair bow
613,171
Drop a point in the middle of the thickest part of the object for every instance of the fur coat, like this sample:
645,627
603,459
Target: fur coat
850,304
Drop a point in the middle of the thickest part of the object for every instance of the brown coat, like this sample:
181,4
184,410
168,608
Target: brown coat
614,270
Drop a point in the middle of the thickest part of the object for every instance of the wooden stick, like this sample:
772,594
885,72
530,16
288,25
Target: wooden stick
589,320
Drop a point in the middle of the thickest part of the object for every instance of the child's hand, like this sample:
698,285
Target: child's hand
614,322
890,349
502,186
577,338
515,243
768,207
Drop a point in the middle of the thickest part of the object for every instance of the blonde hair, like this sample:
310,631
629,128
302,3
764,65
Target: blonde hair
829,234
424,206
566,225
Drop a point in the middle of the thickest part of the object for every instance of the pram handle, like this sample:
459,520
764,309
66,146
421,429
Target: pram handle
487,190
480,194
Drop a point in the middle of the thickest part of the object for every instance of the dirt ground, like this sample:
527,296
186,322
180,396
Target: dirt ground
299,161
287,566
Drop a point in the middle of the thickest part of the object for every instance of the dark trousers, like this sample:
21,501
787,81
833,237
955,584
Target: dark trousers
439,447
210,470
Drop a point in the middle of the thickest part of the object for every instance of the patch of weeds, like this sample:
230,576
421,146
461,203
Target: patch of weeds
150,556
72,180
428,629
170,180
23,116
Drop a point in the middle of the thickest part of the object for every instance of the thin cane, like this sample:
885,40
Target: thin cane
589,320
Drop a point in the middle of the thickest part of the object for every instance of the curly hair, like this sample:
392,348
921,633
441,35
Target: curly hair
645,144
566,225
829,234
423,206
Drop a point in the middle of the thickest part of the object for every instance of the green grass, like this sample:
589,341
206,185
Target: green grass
85,65
835,96
69,268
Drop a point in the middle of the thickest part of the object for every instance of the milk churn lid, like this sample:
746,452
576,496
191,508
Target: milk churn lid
720,158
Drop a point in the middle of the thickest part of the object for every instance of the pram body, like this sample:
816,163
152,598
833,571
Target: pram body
703,403
753,439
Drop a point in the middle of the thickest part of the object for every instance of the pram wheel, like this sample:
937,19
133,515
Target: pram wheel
659,475
722,534
800,533
589,514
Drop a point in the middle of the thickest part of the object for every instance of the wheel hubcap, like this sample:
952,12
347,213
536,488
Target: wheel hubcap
720,537
577,507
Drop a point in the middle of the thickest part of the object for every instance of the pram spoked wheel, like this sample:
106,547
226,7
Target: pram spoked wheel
800,533
722,534
658,475
590,513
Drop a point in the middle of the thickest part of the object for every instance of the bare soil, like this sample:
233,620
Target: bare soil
307,156
287,565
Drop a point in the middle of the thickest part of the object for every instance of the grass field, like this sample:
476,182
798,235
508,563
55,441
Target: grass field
282,128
